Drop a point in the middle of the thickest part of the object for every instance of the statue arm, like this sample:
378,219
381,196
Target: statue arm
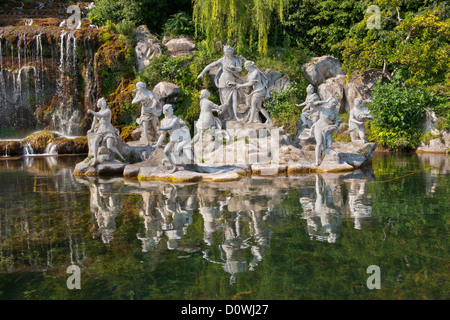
160,139
247,84
208,67
100,115
171,126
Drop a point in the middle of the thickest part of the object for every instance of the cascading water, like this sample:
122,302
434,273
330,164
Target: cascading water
28,150
47,78
67,118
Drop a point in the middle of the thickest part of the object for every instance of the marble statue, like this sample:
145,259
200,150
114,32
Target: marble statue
149,111
227,79
358,114
310,113
207,121
258,83
328,122
180,138
104,132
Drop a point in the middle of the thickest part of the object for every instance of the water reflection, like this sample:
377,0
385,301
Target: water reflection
231,225
237,217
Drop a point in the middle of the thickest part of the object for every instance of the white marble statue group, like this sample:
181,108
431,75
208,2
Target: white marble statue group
319,119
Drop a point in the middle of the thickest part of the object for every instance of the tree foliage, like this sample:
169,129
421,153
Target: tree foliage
239,22
414,44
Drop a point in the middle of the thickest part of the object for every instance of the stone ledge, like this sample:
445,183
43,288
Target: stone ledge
111,168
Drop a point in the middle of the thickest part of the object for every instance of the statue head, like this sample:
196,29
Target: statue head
204,94
101,103
333,103
358,102
168,109
249,65
141,85
228,49
310,89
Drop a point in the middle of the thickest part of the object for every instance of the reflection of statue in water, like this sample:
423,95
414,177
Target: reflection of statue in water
328,122
310,113
260,91
179,148
211,212
358,210
105,206
207,123
152,223
177,215
103,131
358,115
235,243
227,78
149,111
323,220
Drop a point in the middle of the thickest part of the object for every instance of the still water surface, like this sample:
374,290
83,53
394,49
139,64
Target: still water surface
308,237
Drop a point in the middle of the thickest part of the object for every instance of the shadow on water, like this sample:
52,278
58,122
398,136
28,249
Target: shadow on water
308,237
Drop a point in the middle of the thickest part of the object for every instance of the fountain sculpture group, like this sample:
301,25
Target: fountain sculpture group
241,139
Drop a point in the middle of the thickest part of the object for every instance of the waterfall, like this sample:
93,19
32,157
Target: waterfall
28,150
67,118
51,149
2,77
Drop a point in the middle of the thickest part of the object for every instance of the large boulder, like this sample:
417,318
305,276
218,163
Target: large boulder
334,87
277,80
319,69
167,92
180,47
147,47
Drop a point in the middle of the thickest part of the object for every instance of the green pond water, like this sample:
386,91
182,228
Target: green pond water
308,237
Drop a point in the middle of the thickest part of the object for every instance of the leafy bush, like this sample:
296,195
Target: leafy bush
179,24
399,113
281,106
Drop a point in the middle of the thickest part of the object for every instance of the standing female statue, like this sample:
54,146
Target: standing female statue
227,78
260,91
328,122
149,111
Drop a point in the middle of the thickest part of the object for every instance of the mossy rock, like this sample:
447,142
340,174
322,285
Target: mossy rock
73,146
14,148
40,140
125,133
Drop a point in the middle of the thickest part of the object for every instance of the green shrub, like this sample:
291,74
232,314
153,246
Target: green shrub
282,108
179,24
399,113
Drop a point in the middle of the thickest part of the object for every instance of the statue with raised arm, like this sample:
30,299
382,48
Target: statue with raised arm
310,113
258,83
227,78
180,138
149,111
358,115
328,122
207,121
104,132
